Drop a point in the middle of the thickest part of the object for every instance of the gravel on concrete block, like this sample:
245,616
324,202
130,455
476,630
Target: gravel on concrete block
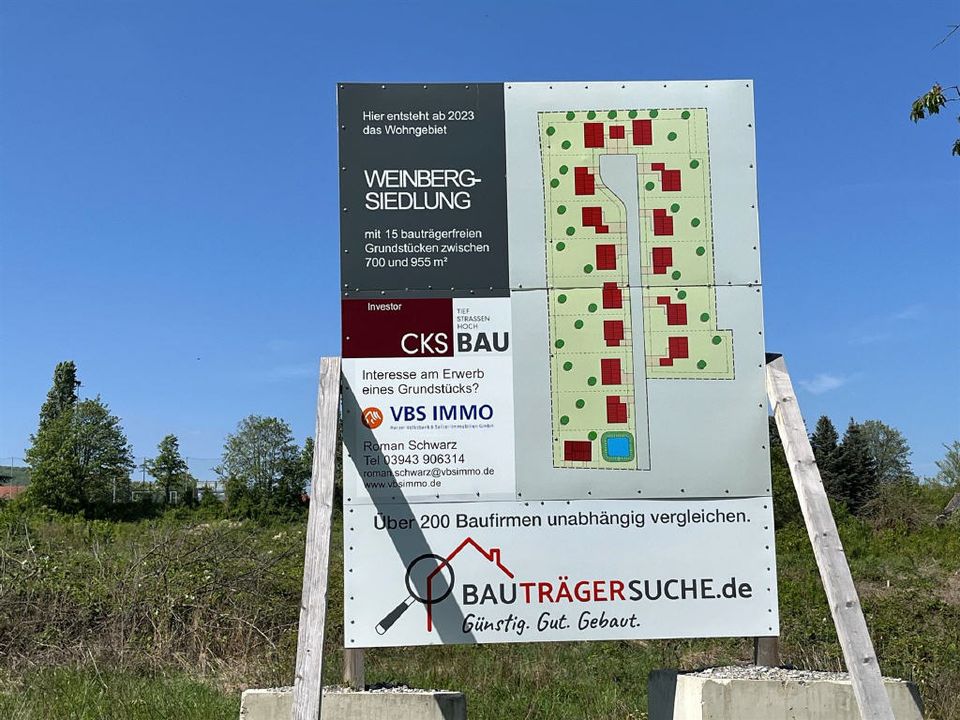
758,672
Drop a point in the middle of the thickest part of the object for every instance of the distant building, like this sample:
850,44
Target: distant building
13,481
9,492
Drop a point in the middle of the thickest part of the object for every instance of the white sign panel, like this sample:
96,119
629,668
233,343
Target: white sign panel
531,572
426,425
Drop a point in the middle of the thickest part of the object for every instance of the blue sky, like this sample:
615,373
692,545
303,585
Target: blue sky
168,190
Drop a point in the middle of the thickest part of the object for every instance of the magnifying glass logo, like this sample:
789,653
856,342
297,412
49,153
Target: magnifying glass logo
429,580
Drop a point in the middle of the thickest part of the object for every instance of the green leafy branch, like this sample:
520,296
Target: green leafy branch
936,97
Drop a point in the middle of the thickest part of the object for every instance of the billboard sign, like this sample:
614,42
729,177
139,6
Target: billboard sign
551,308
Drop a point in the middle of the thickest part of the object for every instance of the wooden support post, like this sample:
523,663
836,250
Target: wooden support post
307,684
353,668
766,651
848,617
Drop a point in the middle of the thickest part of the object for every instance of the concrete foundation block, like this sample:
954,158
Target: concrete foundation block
767,694
338,704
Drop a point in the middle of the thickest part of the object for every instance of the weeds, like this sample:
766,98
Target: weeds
183,612
213,598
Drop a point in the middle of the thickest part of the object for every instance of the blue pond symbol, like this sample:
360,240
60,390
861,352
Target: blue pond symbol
617,447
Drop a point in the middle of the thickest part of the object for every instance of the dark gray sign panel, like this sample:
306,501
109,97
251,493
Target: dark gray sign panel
423,190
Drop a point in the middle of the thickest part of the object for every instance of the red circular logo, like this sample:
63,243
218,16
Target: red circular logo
372,417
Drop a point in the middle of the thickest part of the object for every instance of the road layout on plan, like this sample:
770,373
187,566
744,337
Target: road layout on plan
631,296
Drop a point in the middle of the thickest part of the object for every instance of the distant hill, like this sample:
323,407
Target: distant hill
14,475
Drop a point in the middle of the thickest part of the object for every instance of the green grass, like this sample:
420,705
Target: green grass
85,694
172,618
550,680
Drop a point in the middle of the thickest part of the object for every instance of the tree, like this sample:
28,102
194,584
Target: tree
262,467
890,452
170,470
62,395
825,448
936,97
306,457
80,459
930,103
949,466
773,433
855,471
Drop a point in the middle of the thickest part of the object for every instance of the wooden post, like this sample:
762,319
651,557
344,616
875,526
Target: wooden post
766,651
353,668
307,684
848,617
952,507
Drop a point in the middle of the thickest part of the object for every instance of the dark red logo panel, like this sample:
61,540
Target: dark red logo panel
397,328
